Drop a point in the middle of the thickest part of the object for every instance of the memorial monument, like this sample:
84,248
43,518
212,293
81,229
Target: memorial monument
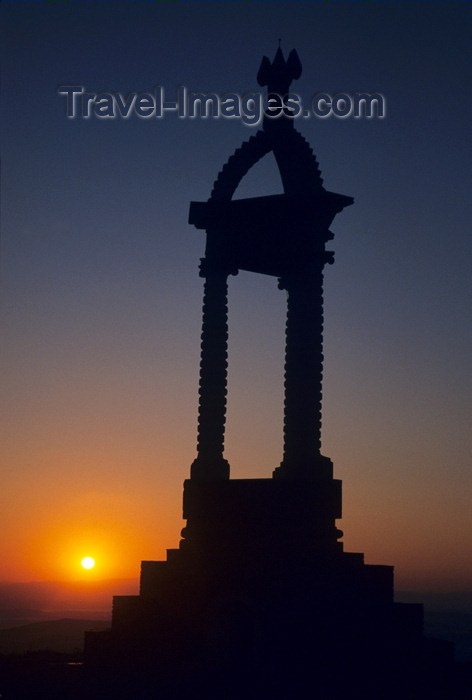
260,600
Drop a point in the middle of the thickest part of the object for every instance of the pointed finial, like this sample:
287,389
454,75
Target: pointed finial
279,42
279,74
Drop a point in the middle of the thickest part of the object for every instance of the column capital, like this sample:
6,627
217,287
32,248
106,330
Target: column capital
215,267
313,267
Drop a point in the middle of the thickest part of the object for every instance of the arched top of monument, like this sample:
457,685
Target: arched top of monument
295,159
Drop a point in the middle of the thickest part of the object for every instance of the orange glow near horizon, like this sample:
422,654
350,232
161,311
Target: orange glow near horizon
50,537
55,551
135,514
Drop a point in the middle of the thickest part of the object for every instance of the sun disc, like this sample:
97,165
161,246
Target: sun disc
88,562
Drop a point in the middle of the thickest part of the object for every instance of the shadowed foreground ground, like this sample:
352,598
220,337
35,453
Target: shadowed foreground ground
55,676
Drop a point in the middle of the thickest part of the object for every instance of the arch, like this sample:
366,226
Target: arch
295,159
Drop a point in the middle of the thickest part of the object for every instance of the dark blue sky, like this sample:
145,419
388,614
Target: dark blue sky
101,296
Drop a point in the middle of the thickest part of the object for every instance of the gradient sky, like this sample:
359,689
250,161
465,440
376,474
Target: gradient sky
101,298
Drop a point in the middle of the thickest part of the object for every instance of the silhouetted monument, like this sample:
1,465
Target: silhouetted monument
260,600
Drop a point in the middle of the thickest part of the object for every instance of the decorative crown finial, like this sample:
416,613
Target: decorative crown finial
279,74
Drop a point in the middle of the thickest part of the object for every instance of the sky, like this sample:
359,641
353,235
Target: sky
101,298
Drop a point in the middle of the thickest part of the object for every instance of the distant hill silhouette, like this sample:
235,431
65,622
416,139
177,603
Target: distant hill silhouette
24,603
446,616
65,636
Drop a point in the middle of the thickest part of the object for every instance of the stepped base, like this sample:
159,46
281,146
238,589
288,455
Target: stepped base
261,602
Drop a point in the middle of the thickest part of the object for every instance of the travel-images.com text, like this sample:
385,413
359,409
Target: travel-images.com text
250,108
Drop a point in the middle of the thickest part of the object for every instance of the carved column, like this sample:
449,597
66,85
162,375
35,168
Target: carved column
303,377
210,463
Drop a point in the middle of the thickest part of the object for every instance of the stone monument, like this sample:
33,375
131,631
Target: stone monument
260,600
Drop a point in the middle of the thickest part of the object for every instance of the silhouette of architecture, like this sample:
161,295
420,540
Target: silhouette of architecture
260,600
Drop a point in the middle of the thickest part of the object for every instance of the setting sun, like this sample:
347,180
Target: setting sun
88,562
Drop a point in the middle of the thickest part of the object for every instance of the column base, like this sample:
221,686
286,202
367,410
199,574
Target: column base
318,468
209,469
